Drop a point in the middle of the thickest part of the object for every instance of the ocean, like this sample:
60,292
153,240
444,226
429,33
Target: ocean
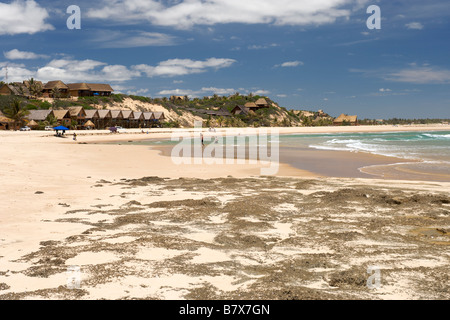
420,155
392,155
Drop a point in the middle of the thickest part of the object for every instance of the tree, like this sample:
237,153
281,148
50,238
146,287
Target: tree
16,112
220,120
56,93
51,121
34,87
74,124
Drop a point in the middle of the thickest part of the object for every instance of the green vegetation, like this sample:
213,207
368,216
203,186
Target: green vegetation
397,121
16,111
274,115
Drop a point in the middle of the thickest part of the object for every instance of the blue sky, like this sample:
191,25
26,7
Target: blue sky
303,54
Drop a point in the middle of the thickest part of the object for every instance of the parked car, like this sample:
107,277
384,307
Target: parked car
48,128
26,128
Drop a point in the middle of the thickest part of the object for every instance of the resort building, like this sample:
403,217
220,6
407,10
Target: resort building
104,119
92,119
219,113
77,114
138,121
158,116
76,89
116,117
262,103
178,98
15,89
39,115
128,118
240,110
90,89
55,89
5,122
344,119
63,117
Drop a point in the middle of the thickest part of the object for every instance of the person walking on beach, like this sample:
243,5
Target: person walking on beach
74,136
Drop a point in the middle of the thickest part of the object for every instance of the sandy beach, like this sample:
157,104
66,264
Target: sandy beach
140,227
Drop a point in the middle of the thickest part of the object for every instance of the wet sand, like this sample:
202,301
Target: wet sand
337,164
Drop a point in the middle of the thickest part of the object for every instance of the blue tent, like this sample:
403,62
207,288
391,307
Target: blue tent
60,128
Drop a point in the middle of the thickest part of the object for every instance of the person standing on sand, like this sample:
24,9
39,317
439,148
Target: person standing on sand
74,136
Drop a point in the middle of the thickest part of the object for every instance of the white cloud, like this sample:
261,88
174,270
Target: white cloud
414,26
22,55
262,47
132,39
23,17
185,14
424,74
385,90
261,92
282,95
219,91
178,92
290,64
139,92
421,75
180,67
70,70
16,72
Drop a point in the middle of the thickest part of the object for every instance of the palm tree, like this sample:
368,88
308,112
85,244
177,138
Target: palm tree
16,112
56,93
51,121
220,121
74,124
34,87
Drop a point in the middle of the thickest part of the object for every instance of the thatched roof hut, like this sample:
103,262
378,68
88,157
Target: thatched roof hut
137,115
262,103
15,89
61,114
100,89
5,122
89,123
77,112
159,116
57,84
32,124
78,86
251,105
104,114
240,110
127,115
343,118
148,116
39,115
92,114
116,114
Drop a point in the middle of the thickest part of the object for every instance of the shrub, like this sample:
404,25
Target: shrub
45,105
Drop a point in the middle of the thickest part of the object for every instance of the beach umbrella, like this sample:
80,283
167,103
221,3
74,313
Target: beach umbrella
61,128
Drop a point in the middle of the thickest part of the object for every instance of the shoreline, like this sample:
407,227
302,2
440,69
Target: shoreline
364,164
